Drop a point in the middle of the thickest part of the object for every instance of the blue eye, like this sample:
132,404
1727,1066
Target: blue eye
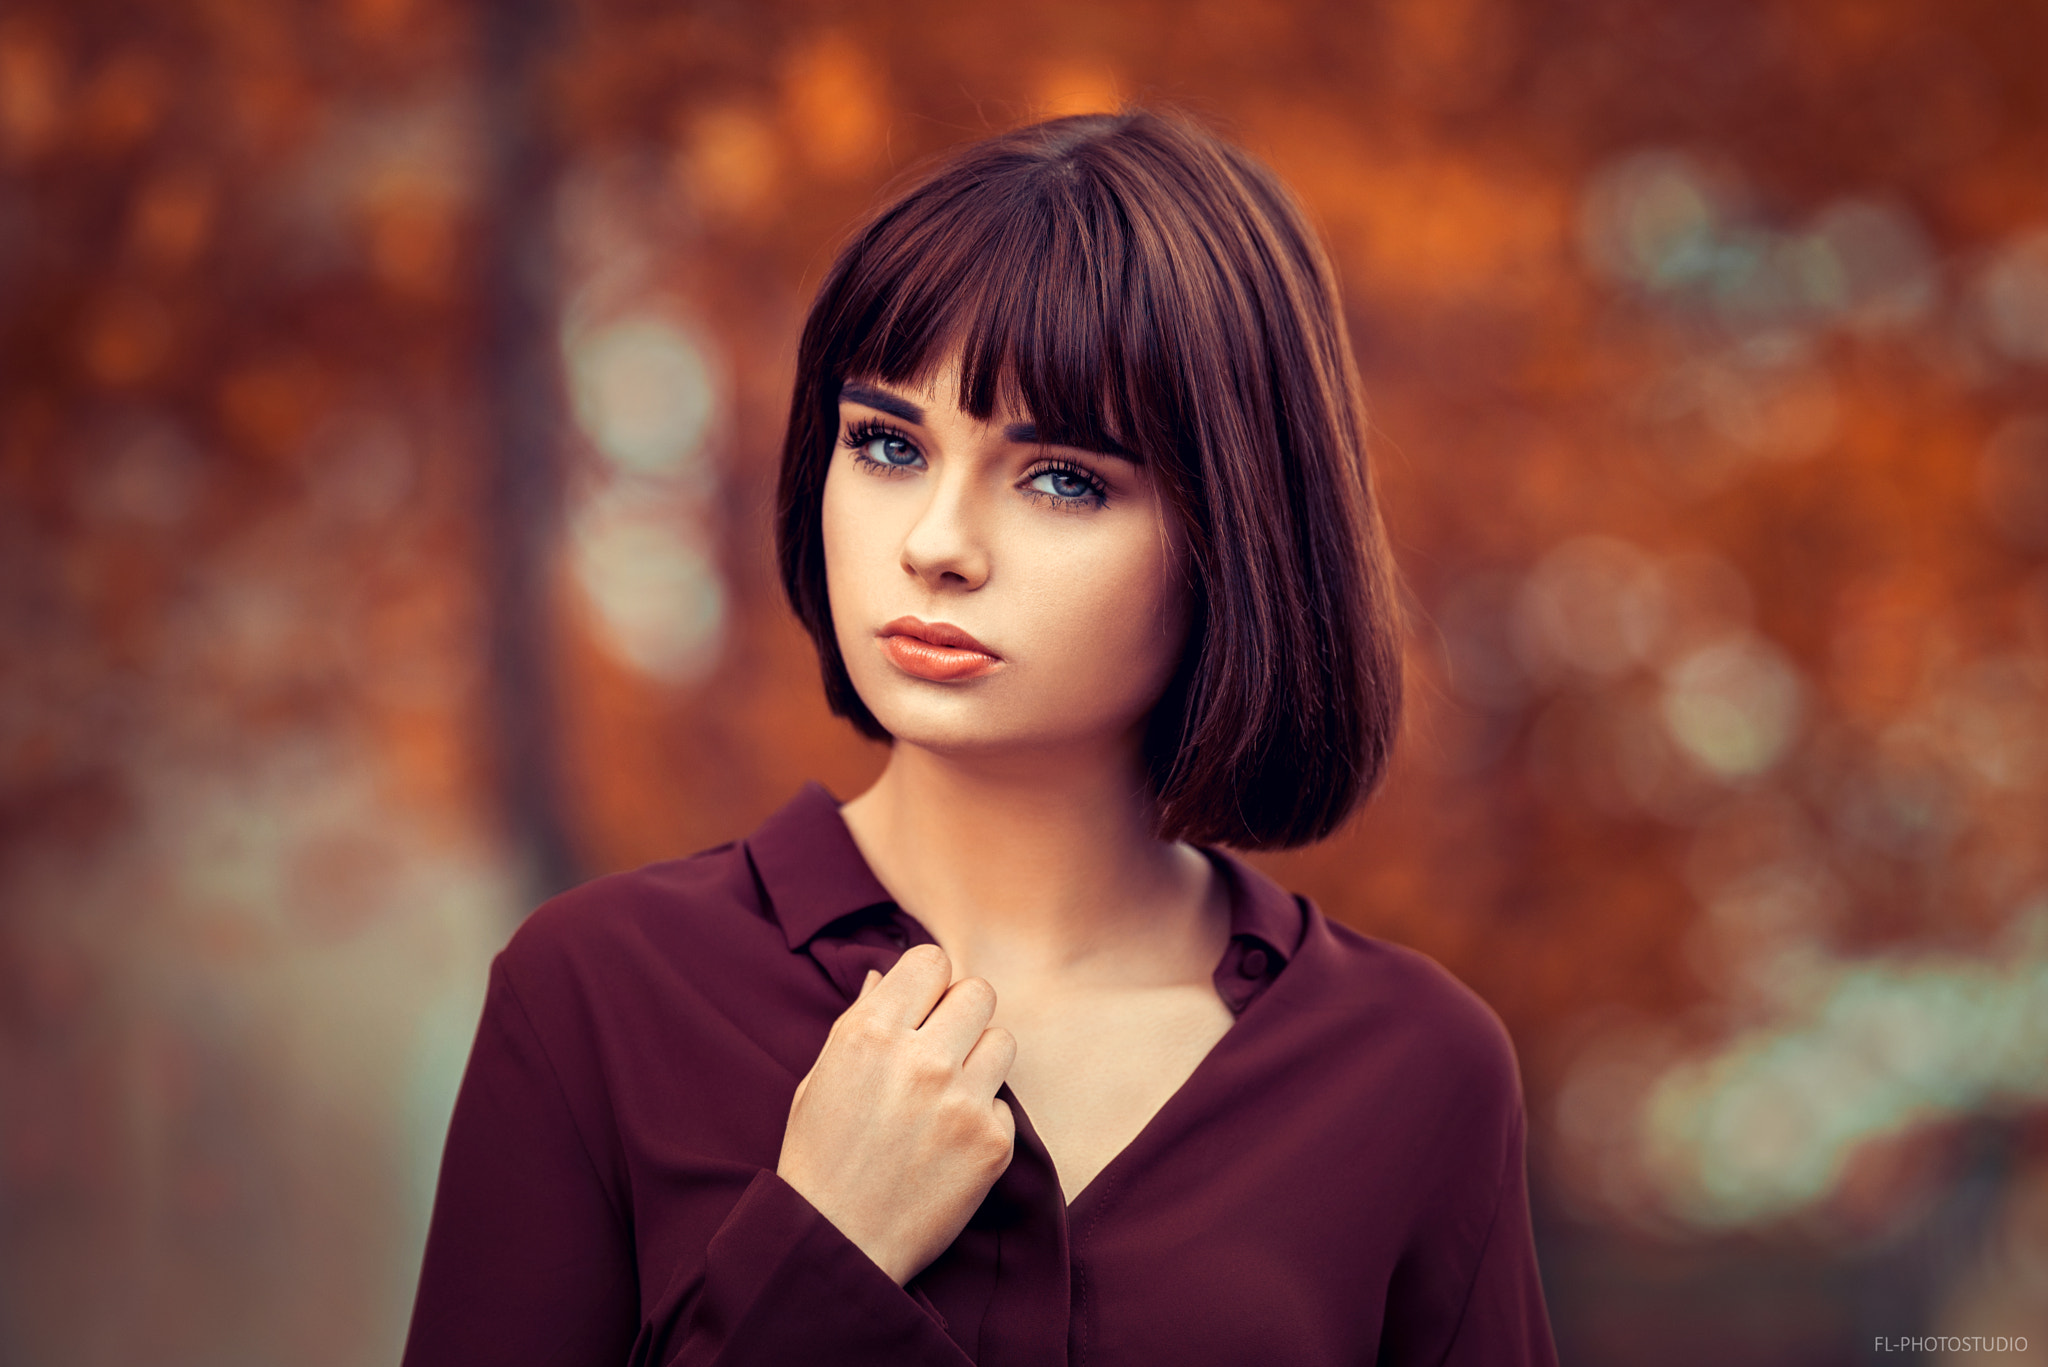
1068,486
889,450
1063,484
882,447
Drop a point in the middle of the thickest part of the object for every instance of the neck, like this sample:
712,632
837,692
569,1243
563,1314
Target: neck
1041,868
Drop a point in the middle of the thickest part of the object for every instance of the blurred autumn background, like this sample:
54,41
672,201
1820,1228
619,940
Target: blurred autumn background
390,392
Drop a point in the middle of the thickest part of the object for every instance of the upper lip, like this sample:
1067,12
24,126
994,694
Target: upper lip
938,634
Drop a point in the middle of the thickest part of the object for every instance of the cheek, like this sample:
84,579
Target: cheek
832,514
840,528
1136,619
848,534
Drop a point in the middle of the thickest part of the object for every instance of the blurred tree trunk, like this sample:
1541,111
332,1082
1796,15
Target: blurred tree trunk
522,392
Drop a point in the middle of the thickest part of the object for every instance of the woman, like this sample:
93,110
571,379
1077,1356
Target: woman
1004,1061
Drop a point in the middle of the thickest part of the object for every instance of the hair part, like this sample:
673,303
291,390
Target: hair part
1159,293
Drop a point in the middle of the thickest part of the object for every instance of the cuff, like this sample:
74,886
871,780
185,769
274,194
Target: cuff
783,1285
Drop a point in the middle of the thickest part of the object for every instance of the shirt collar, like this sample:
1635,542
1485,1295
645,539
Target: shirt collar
810,868
814,874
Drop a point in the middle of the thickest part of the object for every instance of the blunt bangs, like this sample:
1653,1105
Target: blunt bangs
1051,331
1136,286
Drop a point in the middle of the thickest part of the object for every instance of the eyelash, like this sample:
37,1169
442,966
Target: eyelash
861,433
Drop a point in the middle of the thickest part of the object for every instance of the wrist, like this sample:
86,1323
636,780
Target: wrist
873,1245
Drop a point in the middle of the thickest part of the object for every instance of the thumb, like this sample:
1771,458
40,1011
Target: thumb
872,978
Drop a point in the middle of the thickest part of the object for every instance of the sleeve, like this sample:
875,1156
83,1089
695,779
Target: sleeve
530,1259
1504,1322
782,1287
527,1260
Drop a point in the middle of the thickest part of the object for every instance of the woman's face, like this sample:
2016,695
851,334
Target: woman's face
1058,563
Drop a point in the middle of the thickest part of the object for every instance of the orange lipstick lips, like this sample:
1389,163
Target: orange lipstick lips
937,651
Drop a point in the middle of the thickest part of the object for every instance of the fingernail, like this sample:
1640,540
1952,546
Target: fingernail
869,981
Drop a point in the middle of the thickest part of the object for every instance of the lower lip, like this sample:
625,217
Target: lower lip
940,664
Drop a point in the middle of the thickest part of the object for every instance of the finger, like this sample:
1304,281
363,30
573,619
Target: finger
909,991
867,985
988,1062
958,1020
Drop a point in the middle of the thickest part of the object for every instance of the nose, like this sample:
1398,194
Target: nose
945,548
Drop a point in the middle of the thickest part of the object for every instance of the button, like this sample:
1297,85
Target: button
1253,964
897,935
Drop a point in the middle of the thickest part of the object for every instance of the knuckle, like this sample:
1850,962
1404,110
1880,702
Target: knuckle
930,1068
867,1036
976,992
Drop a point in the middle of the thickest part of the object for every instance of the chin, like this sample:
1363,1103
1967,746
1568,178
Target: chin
960,720
947,718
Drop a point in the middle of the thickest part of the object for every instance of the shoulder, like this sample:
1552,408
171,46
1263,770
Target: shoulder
1407,1011
602,935
1408,1068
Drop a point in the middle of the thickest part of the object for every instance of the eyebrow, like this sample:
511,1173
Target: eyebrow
883,400
1023,433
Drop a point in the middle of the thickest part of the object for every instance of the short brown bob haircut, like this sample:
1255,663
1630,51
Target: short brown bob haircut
1138,285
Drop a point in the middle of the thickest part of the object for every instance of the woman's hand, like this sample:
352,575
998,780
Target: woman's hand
896,1133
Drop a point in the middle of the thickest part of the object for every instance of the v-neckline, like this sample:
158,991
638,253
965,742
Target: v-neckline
1071,1205
1234,889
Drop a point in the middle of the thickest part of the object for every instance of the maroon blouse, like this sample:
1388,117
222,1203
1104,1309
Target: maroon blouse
1340,1180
